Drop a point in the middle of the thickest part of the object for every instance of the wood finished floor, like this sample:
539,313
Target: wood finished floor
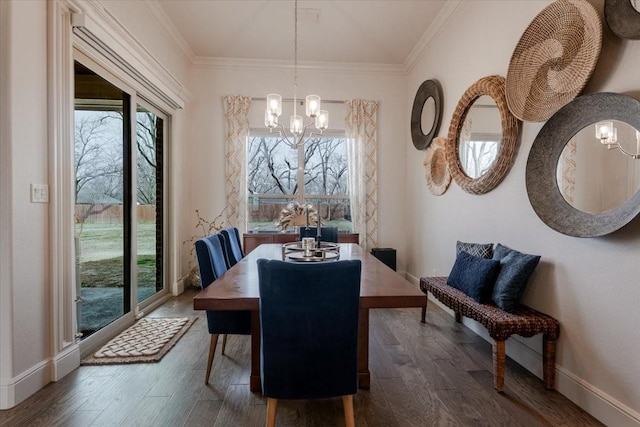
432,374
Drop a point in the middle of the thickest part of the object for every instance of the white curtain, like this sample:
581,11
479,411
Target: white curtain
361,123
236,115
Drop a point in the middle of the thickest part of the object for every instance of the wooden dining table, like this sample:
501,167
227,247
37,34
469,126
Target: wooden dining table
380,287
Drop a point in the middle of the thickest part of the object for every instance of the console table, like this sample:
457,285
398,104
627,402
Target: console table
250,241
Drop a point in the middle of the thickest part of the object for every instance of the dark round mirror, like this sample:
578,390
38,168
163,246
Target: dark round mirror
426,114
545,188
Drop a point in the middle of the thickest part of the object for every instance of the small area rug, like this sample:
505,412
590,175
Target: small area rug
148,340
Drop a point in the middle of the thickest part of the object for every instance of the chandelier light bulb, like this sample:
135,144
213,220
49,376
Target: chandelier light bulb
296,125
274,104
603,131
322,120
270,120
312,104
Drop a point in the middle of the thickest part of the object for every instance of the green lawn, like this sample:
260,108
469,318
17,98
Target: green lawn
102,255
102,241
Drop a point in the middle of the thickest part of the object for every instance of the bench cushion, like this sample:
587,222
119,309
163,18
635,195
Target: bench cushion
523,321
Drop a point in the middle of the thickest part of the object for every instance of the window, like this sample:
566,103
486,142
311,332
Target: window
482,150
315,173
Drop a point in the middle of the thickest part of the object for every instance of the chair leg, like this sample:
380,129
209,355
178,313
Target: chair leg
272,406
498,364
224,342
349,418
424,310
212,352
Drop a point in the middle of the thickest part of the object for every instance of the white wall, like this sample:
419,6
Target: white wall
25,296
206,142
589,285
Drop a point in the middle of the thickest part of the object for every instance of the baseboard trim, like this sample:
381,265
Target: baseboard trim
65,362
594,401
24,385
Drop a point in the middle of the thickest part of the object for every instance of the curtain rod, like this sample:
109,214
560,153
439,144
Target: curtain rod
328,101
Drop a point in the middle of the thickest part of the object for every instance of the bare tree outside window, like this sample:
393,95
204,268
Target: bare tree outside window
274,179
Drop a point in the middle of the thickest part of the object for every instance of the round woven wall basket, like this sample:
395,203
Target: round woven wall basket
554,59
436,169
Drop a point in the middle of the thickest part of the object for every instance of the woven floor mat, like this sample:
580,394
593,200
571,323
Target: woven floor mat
148,340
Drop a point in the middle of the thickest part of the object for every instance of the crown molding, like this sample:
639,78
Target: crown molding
444,15
164,20
268,64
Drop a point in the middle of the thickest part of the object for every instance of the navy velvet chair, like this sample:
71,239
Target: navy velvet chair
212,265
309,331
232,247
329,234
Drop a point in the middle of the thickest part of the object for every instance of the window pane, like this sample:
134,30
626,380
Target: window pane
272,166
149,202
99,172
325,166
272,176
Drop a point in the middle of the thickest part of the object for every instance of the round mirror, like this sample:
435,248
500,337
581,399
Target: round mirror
549,175
427,120
593,174
426,114
623,18
483,137
480,137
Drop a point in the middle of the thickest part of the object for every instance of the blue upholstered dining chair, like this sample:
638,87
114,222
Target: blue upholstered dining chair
232,246
309,331
329,234
212,265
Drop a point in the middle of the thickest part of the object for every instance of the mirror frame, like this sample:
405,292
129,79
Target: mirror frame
428,89
622,18
494,86
542,186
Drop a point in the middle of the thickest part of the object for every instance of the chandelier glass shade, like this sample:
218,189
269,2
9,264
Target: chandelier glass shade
607,133
297,128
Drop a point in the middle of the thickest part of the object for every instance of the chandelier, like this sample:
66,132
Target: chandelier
607,133
297,128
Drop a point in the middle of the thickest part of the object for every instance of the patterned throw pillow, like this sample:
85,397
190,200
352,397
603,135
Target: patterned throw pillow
515,270
474,276
481,250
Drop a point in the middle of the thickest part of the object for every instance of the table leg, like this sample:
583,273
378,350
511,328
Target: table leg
364,377
255,385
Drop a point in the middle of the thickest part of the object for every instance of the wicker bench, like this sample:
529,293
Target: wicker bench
501,325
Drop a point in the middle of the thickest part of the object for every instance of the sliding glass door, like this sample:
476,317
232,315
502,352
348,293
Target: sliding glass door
118,209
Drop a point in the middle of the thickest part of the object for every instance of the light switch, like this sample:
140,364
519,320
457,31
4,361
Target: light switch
39,193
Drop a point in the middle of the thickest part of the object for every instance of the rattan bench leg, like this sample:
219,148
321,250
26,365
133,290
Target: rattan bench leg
549,362
458,317
498,364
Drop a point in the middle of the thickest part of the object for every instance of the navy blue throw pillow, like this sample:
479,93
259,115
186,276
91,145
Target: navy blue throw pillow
474,276
515,270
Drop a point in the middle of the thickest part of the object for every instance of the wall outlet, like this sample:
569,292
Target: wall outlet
39,193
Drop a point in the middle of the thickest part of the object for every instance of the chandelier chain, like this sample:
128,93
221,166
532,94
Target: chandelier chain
295,55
